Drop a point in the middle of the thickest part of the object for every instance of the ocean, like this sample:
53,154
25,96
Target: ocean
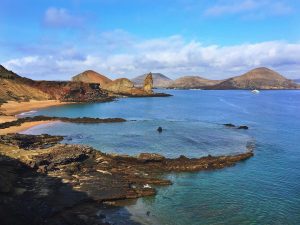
262,190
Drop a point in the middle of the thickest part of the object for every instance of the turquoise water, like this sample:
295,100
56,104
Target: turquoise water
263,190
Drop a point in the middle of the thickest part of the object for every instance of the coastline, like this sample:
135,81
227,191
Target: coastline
74,166
11,110
23,127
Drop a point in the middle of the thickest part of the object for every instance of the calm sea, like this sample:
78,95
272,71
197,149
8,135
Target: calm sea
262,190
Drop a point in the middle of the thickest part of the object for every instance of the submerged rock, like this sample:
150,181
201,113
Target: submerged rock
243,127
229,125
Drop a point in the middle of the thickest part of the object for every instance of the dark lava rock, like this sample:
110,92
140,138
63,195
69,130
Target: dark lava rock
229,125
159,129
234,126
67,184
28,142
243,127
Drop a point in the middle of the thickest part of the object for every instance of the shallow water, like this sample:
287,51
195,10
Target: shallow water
262,190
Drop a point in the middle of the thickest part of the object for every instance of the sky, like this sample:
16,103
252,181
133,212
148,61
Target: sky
216,39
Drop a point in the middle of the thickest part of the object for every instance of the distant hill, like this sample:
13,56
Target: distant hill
190,82
91,76
159,80
259,78
297,81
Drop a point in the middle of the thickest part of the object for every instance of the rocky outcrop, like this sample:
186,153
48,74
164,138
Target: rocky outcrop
241,127
29,142
55,185
159,80
148,84
120,86
20,121
72,91
16,88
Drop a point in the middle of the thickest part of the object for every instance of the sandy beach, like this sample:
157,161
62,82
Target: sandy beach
23,127
11,109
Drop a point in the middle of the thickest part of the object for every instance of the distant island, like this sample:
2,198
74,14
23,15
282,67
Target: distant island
259,78
297,81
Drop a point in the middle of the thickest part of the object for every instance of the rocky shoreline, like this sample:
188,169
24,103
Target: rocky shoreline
45,182
20,121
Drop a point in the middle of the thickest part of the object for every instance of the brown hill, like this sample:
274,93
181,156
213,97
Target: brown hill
15,88
190,82
259,78
91,76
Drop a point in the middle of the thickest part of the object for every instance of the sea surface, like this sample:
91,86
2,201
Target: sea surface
262,190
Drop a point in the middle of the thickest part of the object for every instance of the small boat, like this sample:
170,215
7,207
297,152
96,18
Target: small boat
255,91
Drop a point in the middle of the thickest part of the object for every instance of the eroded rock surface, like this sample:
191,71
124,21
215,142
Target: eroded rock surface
148,84
54,185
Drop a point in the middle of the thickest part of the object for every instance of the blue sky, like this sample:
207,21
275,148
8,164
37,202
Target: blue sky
56,39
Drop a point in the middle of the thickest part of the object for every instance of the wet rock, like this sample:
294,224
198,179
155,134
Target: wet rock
243,127
29,142
159,129
229,125
150,157
67,183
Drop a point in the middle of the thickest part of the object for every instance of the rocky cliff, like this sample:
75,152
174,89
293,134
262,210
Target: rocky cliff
16,88
148,84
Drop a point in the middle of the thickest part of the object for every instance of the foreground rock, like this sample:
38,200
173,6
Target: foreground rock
28,142
67,184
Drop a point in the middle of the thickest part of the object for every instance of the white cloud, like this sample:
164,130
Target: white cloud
249,8
172,56
60,17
